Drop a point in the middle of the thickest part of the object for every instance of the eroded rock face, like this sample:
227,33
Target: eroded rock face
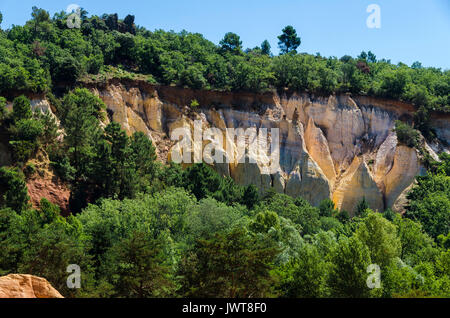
317,146
26,286
405,168
308,181
357,184
335,147
43,183
385,158
441,126
53,190
133,110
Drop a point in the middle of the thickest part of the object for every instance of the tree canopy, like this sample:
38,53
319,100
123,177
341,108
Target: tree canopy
138,228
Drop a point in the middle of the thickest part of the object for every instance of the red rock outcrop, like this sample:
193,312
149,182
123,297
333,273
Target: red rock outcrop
51,189
26,286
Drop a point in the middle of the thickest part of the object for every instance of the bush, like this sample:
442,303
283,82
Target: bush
23,150
27,129
193,77
194,104
407,135
29,169
21,108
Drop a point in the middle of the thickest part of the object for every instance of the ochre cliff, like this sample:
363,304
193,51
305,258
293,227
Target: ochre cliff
337,147
26,286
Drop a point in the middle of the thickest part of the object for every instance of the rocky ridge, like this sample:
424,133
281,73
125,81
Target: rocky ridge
339,147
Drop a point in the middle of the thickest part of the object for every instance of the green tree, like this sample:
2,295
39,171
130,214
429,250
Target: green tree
264,222
172,175
48,211
24,131
27,130
380,236
394,82
250,196
327,208
253,74
201,180
228,192
363,55
113,172
361,208
283,232
265,48
288,40
299,211
139,269
232,264
399,279
112,21
80,119
231,42
389,215
343,216
50,133
13,189
348,274
126,47
40,22
433,212
371,58
51,250
21,108
429,202
111,221
17,231
193,77
309,275
407,135
413,240
63,66
209,217
143,155
129,24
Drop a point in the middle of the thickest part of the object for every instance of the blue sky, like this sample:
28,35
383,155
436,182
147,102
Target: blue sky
410,30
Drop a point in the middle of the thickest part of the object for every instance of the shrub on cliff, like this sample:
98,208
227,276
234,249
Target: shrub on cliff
25,131
21,108
407,135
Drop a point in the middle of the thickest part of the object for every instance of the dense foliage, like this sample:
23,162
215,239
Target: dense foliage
141,229
169,243
45,53
156,231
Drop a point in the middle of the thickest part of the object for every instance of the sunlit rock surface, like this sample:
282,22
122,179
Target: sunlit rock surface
340,147
337,147
26,286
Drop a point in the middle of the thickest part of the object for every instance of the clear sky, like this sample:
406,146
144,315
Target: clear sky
410,30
